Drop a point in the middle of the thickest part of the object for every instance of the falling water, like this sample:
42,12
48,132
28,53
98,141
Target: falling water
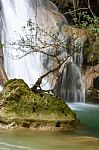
73,89
15,16
30,67
1,88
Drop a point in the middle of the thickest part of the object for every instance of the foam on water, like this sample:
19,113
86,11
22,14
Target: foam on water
9,146
82,106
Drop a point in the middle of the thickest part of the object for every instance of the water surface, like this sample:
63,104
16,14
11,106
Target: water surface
82,139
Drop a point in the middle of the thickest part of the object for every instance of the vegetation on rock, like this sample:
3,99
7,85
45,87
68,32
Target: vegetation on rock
85,15
20,105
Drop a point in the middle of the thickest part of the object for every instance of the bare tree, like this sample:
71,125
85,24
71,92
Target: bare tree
51,44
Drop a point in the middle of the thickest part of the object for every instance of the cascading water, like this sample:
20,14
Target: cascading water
32,66
1,88
70,85
15,16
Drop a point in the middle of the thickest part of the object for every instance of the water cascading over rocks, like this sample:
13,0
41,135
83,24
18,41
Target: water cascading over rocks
43,13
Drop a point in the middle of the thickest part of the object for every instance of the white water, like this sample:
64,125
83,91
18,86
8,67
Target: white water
16,14
71,84
1,88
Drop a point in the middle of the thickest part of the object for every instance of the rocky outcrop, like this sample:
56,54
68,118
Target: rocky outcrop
78,36
1,55
3,76
22,108
93,96
92,83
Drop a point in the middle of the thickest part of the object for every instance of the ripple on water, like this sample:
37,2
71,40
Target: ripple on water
7,146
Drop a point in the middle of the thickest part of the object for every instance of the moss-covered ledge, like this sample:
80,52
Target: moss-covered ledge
20,107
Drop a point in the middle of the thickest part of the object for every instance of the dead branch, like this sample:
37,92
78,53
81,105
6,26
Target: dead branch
37,86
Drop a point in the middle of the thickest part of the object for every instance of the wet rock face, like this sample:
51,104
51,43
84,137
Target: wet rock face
93,96
91,76
96,83
92,84
3,76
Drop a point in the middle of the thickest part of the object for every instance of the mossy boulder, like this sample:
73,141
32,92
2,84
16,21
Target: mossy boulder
41,110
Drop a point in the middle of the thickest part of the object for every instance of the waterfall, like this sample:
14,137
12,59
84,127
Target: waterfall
0,88
15,15
73,90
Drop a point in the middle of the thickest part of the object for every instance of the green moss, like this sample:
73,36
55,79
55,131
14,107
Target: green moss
20,99
24,107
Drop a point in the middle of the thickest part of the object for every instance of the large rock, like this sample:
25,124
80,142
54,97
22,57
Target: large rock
21,107
92,83
3,76
96,83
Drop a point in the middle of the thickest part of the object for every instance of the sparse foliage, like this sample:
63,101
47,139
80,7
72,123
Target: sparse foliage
51,44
